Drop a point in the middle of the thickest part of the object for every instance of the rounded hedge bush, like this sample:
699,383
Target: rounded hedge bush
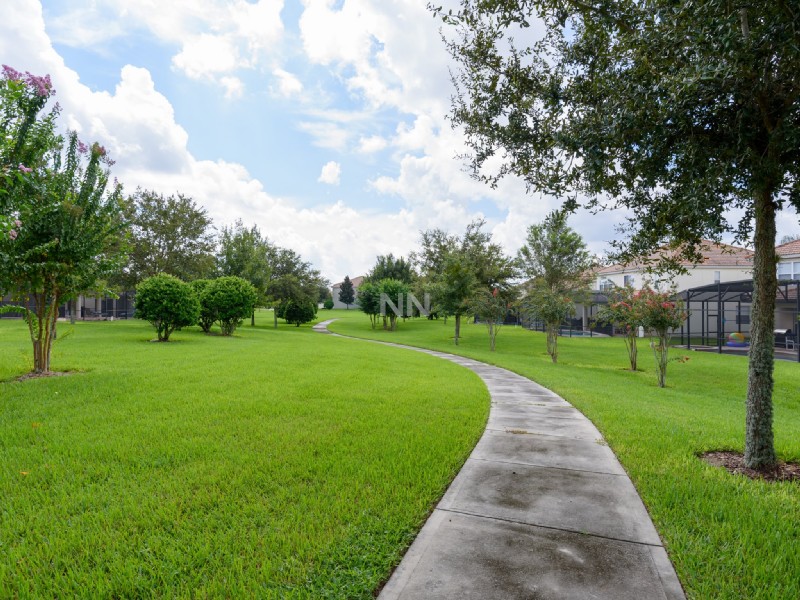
167,303
229,300
207,318
298,312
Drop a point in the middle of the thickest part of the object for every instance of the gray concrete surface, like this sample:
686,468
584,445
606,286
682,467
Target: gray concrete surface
541,510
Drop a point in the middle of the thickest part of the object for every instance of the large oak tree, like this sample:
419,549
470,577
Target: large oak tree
676,111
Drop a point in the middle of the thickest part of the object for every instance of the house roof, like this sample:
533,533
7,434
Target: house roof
788,249
356,281
713,255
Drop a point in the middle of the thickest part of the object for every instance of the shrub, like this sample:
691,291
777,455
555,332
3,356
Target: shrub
167,303
207,318
298,312
328,304
229,300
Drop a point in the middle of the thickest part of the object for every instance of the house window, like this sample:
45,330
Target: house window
606,285
629,280
717,278
789,270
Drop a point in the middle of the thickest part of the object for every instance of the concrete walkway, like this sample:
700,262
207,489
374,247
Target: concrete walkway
541,509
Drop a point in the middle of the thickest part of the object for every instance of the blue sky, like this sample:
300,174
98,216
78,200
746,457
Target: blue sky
321,121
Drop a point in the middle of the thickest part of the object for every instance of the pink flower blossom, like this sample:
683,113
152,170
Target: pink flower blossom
12,234
82,148
11,73
24,169
17,223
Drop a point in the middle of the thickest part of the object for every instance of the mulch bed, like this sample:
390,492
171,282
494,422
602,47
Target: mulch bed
734,463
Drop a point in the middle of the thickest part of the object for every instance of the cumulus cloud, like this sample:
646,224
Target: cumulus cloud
330,173
287,84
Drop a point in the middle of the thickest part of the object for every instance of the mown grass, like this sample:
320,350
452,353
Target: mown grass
728,536
276,463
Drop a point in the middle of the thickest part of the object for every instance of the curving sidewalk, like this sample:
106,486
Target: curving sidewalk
541,509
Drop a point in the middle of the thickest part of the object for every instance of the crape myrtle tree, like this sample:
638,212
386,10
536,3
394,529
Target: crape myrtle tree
27,138
71,233
347,293
558,266
168,235
624,311
662,314
491,306
676,111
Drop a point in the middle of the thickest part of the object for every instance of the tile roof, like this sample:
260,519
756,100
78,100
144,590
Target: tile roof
714,255
788,249
356,281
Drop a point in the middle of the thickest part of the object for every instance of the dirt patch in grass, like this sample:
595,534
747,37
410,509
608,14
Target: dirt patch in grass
28,376
734,463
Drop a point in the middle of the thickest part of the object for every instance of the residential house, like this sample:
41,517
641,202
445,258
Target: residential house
337,287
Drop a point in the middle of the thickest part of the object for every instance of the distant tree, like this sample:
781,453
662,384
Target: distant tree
290,279
168,235
206,316
298,312
347,294
792,237
389,267
369,300
229,300
396,291
661,314
625,312
545,304
558,266
491,306
673,111
453,268
167,303
245,253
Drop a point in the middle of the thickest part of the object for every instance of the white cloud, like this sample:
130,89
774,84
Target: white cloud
234,88
288,84
371,144
330,173
207,55
326,135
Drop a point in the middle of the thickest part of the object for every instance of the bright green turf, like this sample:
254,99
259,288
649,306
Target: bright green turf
728,537
270,464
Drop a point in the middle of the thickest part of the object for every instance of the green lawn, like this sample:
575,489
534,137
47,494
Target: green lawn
728,537
276,463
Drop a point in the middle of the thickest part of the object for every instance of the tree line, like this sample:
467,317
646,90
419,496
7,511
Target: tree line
67,228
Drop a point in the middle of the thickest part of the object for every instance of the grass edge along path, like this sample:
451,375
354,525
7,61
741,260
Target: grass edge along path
728,536
276,463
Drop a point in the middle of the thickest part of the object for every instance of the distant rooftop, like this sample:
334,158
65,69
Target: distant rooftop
788,249
713,255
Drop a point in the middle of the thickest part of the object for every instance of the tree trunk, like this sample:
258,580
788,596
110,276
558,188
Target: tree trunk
491,336
458,328
759,448
275,315
253,318
73,306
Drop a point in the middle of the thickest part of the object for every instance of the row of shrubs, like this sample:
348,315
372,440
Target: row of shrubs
168,303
